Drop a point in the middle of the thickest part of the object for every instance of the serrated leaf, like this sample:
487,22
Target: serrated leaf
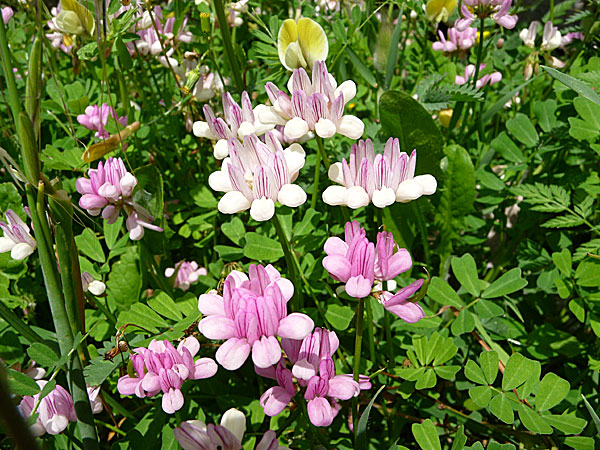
517,371
481,395
489,365
508,283
426,435
532,420
564,222
465,271
442,293
501,407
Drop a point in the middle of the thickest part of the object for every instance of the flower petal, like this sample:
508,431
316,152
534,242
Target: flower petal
351,126
357,197
428,183
233,353
211,305
358,287
235,421
274,400
266,351
291,195
295,326
338,267
217,327
262,209
233,202
320,412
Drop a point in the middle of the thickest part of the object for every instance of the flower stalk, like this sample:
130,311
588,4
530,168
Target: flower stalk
231,58
360,312
289,260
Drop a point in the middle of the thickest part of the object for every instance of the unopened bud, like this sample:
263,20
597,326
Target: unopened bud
192,78
205,23
500,43
528,71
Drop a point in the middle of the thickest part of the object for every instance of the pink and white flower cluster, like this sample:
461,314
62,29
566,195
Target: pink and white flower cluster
250,315
490,78
258,174
110,188
16,239
457,42
314,369
382,179
359,263
162,367
187,274
315,105
96,118
7,13
496,9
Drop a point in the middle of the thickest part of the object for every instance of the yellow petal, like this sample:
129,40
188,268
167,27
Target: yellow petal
84,16
293,57
313,41
440,10
98,150
288,33
68,22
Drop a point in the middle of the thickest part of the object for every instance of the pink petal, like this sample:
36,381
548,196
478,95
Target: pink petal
335,246
274,400
295,326
211,305
320,412
233,353
203,368
266,351
343,388
338,267
358,287
217,327
126,385
172,401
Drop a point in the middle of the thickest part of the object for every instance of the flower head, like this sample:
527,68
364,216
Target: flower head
458,41
89,284
74,18
551,39
301,43
96,118
55,411
440,10
316,105
16,237
490,78
7,13
250,316
496,9
162,367
528,35
382,179
187,274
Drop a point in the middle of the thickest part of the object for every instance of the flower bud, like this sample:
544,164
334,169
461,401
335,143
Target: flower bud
500,43
205,23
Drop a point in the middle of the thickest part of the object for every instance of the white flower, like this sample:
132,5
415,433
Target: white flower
551,38
94,287
16,237
528,35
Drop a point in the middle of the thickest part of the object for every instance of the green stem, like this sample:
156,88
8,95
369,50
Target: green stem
289,259
18,325
14,100
388,339
371,332
422,233
360,312
321,148
315,195
231,57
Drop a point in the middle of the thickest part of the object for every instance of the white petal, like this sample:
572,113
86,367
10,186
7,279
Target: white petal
233,202
219,181
325,128
384,197
221,149
348,88
408,190
201,129
336,173
262,209
295,157
296,128
245,128
235,421
291,195
269,116
6,244
351,126
169,272
97,287
357,197
21,251
335,195
428,183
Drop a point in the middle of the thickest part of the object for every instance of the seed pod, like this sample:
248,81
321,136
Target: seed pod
33,88
29,148
95,151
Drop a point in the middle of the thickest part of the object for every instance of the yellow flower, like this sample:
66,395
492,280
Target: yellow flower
440,10
301,43
74,18
445,115
486,34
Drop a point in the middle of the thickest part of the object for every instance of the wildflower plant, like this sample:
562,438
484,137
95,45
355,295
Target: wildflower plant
341,225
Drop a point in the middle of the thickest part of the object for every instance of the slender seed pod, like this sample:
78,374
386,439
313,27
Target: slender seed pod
30,149
33,88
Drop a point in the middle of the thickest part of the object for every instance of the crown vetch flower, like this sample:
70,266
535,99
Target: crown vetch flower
528,35
187,274
95,287
301,43
250,315
161,367
257,175
96,118
457,40
16,237
497,9
316,105
238,122
55,411
382,179
490,78
7,13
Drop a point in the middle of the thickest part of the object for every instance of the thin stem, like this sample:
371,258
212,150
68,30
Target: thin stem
321,148
360,312
423,233
18,325
231,57
315,195
289,259
388,339
371,332
13,95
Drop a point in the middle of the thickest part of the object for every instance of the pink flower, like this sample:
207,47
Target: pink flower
16,239
457,40
187,274
497,9
161,367
316,105
490,78
55,411
306,355
7,13
382,179
250,315
110,188
96,118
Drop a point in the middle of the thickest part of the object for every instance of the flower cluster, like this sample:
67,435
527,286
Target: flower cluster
359,263
457,42
496,9
314,369
96,118
110,188
382,179
551,40
187,274
490,78
250,315
16,239
162,367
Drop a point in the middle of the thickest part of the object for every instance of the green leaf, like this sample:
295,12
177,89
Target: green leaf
442,293
228,252
140,314
508,283
446,372
393,52
489,365
460,439
567,423
487,309
474,373
517,371
481,395
234,230
523,130
504,145
578,86
532,420
588,273
360,66
582,130
545,112
426,435
362,441
111,232
464,323
551,391
404,117
90,246
563,262
427,380
465,271
592,413
164,305
499,105
339,316
501,407
588,111
580,442
42,354
149,192
21,384
262,248
49,387
125,279
100,369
